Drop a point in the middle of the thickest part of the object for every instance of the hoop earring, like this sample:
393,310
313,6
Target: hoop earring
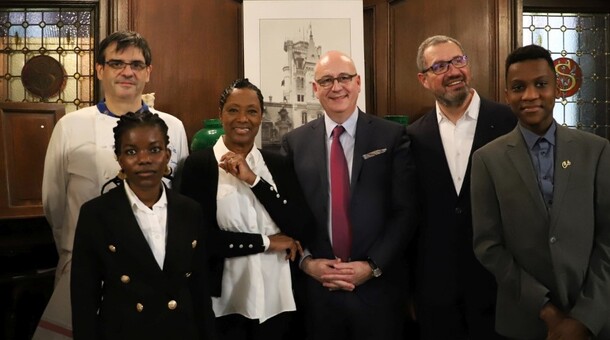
121,175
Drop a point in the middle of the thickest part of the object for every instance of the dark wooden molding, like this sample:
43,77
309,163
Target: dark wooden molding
587,6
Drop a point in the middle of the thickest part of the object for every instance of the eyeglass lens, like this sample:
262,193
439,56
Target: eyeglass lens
119,65
329,81
442,66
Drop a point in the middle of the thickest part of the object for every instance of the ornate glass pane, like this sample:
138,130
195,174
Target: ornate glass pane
65,38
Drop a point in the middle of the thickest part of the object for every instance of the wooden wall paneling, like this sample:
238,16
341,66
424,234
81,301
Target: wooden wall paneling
197,51
376,55
510,33
118,16
25,130
480,25
596,6
369,59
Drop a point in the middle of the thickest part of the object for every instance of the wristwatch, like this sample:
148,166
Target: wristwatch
376,270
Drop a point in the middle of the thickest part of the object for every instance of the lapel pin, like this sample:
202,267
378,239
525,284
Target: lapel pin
565,164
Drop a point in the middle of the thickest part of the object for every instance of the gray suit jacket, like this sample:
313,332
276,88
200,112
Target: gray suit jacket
535,253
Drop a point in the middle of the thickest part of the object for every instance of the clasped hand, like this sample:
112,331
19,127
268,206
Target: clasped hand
337,275
561,326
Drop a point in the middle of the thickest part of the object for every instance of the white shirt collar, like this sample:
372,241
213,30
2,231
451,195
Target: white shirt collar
253,158
134,201
349,125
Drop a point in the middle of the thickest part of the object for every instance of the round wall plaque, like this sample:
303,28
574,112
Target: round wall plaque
43,76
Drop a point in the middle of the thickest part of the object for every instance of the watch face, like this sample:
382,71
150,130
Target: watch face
376,272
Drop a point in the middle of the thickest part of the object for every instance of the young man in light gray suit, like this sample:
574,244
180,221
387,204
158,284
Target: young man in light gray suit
541,218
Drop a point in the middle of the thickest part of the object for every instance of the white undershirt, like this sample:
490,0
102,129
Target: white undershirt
257,286
457,139
152,222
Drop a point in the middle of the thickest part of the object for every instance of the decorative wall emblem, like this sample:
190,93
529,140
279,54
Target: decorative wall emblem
569,76
43,76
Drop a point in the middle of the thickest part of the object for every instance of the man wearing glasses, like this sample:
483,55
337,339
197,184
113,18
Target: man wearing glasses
80,157
454,294
358,178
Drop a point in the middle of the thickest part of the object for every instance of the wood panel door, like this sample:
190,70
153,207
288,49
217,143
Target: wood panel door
25,130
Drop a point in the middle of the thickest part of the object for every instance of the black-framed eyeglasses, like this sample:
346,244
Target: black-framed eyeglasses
441,67
135,65
342,78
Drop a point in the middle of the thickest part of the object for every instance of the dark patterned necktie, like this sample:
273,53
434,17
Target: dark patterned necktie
339,179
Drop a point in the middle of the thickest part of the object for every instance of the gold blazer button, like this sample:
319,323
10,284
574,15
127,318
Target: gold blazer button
172,304
125,279
112,248
139,307
194,244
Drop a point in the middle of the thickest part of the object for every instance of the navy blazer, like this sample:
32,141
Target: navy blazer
286,207
382,203
119,291
445,263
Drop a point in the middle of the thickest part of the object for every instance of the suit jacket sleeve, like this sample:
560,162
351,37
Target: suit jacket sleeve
200,182
593,302
54,182
489,245
86,275
286,206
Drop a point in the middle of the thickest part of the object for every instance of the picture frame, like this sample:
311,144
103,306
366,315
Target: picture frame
283,40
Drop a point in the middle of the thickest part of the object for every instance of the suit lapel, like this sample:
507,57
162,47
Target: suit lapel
175,235
520,157
484,133
433,151
360,147
318,152
564,149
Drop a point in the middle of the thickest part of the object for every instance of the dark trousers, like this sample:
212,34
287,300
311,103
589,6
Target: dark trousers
345,316
457,321
238,327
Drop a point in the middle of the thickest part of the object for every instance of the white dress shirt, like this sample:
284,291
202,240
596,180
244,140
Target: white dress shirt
152,222
257,286
457,139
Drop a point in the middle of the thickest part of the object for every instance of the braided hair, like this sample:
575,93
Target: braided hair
132,120
240,84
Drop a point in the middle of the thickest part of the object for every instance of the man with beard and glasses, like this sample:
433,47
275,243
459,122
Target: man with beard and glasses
454,294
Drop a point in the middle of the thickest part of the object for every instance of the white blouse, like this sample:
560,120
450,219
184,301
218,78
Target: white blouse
256,286
152,222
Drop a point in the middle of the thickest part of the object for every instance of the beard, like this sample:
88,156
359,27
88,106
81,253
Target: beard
455,99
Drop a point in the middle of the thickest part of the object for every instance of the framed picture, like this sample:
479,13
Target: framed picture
283,41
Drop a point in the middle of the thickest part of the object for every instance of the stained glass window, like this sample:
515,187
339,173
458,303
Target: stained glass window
64,34
583,38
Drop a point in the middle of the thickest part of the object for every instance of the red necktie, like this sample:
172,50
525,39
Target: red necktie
339,179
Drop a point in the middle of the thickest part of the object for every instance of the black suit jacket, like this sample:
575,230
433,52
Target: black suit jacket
114,270
382,202
446,265
286,207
